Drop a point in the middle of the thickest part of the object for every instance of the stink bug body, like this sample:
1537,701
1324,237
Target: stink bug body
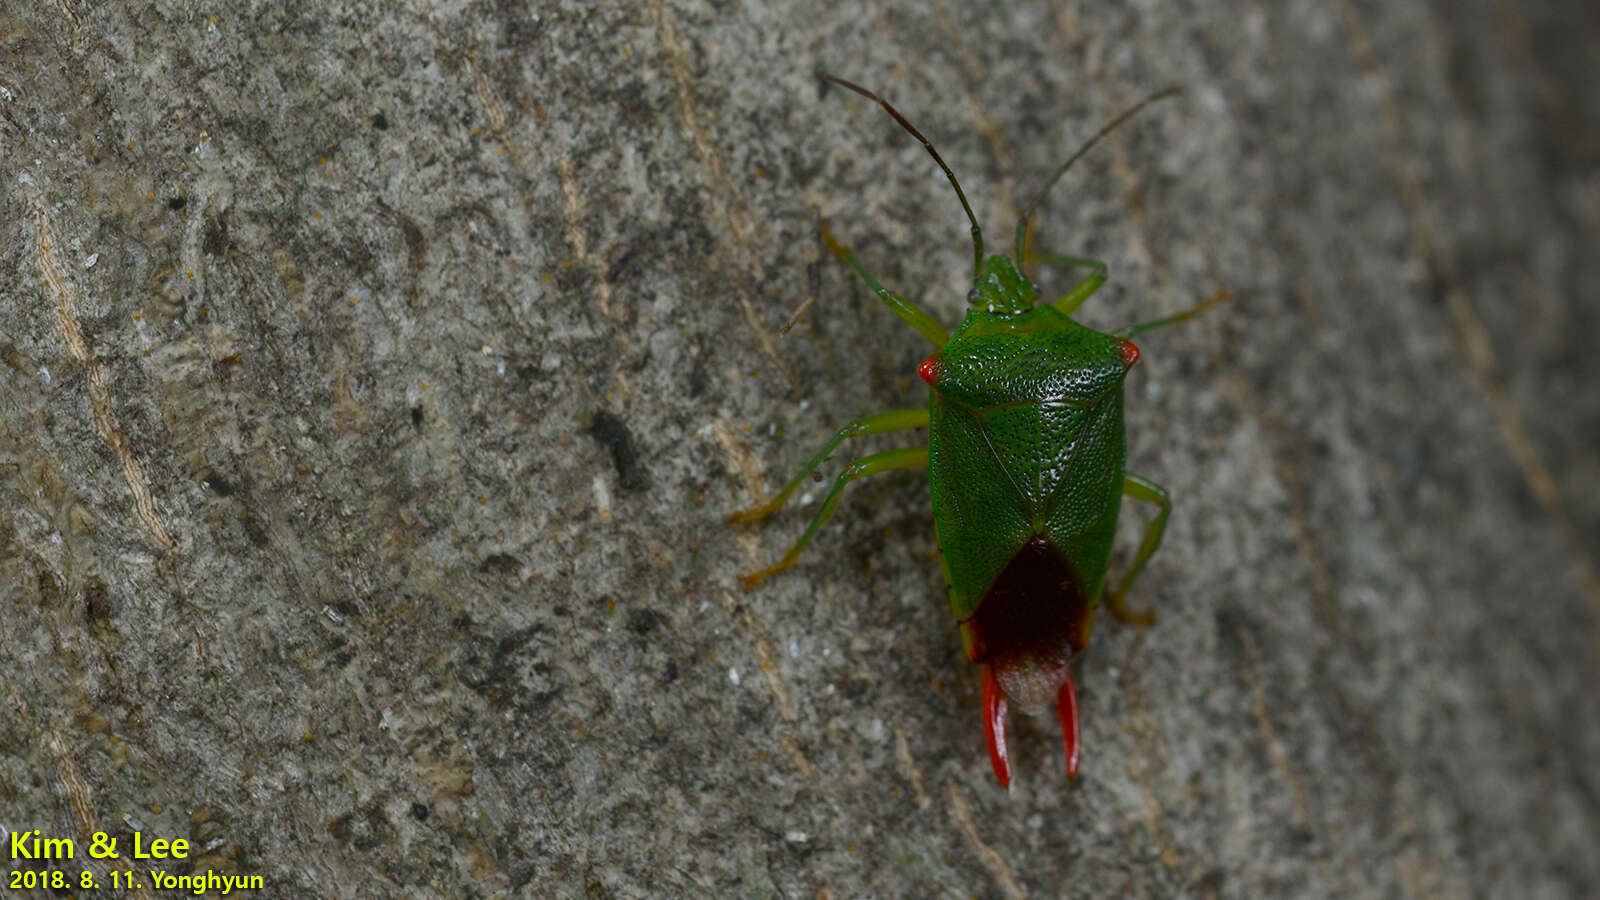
1025,461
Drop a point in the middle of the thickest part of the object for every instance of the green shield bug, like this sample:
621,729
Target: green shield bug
1025,462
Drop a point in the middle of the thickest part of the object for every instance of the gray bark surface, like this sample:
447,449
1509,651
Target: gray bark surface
375,382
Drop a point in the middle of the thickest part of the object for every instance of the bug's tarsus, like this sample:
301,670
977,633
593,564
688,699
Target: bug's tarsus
1118,606
813,277
977,233
1125,115
1217,298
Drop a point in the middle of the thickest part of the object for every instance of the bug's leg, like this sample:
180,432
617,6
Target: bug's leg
1216,299
925,324
887,461
1150,492
1080,292
894,420
813,277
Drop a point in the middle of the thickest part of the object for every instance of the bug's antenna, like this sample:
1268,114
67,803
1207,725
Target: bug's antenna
977,235
1125,115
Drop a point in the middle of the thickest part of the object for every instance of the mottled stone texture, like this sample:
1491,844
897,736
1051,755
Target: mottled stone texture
438,340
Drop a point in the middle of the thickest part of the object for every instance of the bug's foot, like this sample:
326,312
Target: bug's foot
1067,711
753,514
754,578
994,727
1118,606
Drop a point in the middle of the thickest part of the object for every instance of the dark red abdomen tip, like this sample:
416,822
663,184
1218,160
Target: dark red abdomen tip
929,370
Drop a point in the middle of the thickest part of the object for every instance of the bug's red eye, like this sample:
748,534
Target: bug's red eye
929,370
1130,353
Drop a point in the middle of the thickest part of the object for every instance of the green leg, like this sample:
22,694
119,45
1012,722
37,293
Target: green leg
1080,291
894,420
927,325
1217,299
887,461
1150,492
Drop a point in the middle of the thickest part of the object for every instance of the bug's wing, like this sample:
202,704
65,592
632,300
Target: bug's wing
1009,476
980,517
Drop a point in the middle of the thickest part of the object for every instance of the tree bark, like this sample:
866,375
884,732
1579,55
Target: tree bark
376,384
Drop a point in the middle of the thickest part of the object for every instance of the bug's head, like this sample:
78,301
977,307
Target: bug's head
998,284
1002,288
